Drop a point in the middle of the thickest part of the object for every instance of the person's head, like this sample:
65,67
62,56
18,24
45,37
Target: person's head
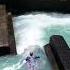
31,53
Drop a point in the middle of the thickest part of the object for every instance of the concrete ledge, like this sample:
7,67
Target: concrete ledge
61,52
58,52
51,57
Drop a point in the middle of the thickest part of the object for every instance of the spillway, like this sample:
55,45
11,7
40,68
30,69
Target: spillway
32,32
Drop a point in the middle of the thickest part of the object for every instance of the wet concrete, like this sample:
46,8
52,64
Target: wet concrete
51,57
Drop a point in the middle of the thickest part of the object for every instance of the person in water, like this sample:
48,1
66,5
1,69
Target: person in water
31,61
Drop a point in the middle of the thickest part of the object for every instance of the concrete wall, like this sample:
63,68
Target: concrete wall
60,52
6,33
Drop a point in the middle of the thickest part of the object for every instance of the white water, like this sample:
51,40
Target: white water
32,32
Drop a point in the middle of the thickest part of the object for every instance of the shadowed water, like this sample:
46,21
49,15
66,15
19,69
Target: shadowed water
32,32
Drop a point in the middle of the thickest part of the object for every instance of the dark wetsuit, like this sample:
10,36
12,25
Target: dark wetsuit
31,62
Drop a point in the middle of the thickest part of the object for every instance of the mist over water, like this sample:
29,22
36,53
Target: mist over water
32,32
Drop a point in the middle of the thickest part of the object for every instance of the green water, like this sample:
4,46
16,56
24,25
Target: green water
32,32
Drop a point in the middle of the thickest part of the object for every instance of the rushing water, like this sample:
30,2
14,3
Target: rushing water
32,32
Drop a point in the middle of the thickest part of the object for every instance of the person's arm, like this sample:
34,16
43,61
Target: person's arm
28,59
36,57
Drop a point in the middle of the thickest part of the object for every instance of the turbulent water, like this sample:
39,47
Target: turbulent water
32,32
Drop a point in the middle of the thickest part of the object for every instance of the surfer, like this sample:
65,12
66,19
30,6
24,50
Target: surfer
31,61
